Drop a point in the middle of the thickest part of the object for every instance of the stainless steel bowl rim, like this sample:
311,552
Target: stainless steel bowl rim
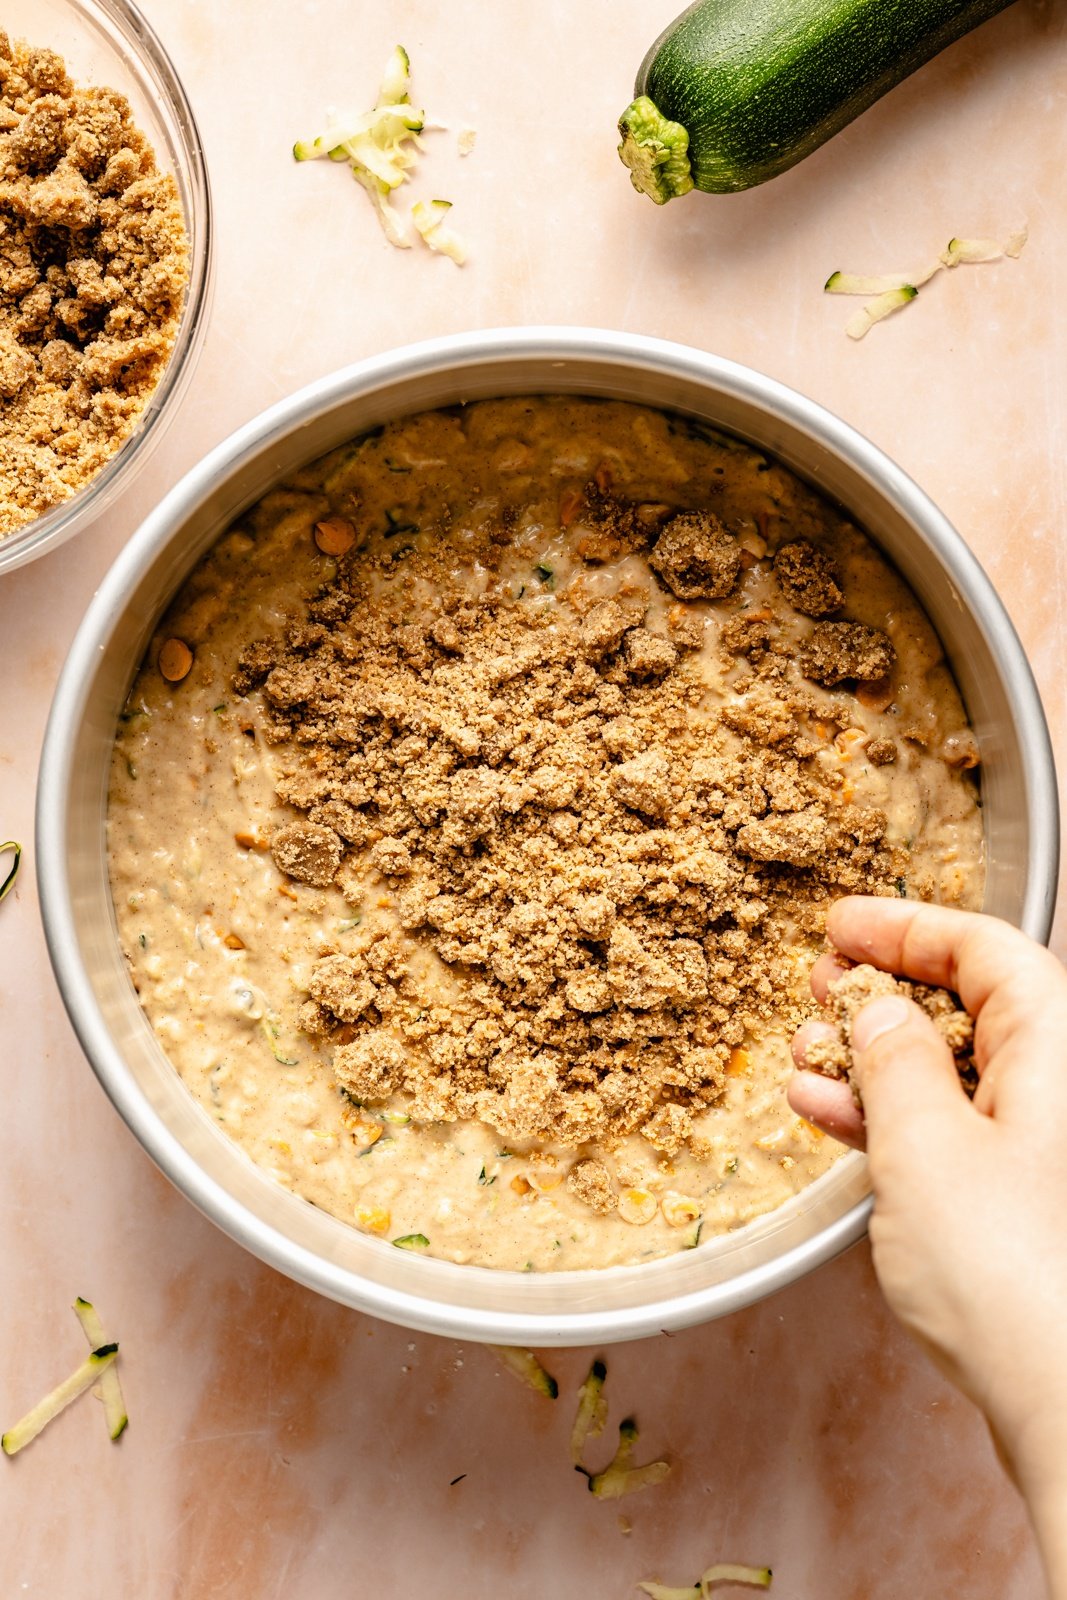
453,353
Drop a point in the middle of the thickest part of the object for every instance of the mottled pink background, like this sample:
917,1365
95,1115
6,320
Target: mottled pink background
280,1445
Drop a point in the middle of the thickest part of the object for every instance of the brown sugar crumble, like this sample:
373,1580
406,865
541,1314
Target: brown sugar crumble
696,557
832,1054
590,1181
605,872
808,579
835,651
93,266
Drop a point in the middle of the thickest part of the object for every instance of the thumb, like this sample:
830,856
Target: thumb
904,1071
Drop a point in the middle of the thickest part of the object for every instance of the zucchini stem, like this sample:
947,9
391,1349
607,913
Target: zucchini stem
656,151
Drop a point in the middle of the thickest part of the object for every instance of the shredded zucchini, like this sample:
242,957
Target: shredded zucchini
110,1387
894,290
619,1477
428,217
592,1411
381,148
526,1367
880,307
269,1030
15,848
394,87
856,283
379,193
755,1577
29,1426
959,251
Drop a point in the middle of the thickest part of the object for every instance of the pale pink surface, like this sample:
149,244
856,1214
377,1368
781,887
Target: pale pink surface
280,1444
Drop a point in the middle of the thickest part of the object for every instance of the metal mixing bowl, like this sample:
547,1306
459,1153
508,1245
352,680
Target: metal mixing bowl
1019,791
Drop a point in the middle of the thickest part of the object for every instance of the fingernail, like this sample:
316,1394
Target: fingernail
880,1016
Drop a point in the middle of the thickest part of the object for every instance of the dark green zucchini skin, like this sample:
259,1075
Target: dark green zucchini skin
759,84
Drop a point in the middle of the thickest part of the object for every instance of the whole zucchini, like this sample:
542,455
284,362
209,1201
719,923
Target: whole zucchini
736,91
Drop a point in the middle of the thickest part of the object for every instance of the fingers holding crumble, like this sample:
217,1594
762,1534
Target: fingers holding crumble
964,1125
1009,985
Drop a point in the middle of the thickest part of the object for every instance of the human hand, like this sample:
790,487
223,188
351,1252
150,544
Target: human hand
969,1231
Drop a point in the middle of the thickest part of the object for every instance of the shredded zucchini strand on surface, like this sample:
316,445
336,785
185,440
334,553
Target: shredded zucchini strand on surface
592,1412
526,1367
757,1577
109,1386
381,149
893,291
13,847
29,1426
428,217
729,1573
664,1591
619,1477
882,306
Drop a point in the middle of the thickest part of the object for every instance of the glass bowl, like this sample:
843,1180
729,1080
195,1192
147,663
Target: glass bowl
109,43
